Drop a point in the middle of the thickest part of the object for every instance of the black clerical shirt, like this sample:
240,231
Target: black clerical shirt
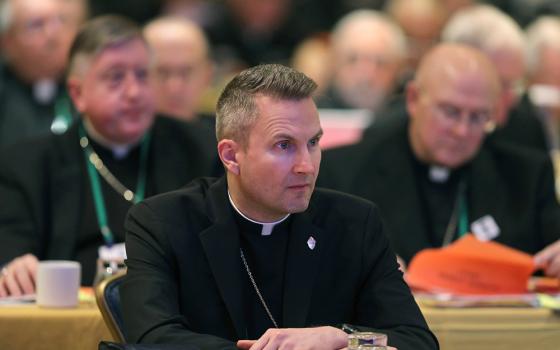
266,257
89,235
439,199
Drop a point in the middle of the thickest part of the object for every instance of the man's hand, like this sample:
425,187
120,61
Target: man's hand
549,259
321,338
18,277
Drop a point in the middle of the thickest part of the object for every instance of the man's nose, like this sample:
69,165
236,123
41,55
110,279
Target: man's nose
304,163
133,86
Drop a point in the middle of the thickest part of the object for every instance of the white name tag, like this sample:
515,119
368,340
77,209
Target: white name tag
116,252
485,228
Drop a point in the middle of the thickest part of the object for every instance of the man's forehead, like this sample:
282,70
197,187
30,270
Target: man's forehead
115,49
275,112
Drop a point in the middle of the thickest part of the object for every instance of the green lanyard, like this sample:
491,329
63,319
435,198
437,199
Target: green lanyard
463,224
459,221
62,114
99,202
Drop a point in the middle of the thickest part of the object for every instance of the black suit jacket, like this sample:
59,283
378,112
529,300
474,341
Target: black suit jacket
185,276
21,116
41,184
512,184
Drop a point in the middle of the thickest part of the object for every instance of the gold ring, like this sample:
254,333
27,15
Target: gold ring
4,271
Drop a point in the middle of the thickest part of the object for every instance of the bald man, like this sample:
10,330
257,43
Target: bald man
434,179
181,66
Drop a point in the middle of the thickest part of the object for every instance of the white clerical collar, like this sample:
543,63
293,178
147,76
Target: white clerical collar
267,227
44,91
438,173
120,151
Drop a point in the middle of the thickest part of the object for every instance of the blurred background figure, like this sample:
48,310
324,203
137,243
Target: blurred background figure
524,11
543,62
140,11
248,32
368,51
502,40
433,176
421,21
69,193
312,57
35,37
181,68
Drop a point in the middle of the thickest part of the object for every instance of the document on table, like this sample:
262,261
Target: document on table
24,299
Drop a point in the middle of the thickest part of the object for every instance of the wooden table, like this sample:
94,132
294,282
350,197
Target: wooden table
496,328
35,328
503,328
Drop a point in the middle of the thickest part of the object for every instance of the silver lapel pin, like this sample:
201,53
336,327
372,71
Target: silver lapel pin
311,242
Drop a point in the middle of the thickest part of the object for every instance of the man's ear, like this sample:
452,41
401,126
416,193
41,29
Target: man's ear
412,98
75,90
227,150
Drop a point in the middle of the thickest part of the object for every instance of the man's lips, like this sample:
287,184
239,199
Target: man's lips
299,186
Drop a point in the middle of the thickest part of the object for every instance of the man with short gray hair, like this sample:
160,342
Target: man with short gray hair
260,258
68,194
497,35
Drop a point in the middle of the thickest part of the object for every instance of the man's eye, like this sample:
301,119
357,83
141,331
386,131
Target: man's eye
314,142
142,74
114,77
450,111
284,145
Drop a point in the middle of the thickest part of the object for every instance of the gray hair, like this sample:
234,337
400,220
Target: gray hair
400,48
6,13
236,110
99,34
542,33
484,27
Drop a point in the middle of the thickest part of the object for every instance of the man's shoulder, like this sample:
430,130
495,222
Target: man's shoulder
34,150
168,124
195,134
380,147
509,153
191,198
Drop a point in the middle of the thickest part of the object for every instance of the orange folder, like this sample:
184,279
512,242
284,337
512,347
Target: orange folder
471,266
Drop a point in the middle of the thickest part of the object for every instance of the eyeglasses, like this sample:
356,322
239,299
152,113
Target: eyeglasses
450,115
34,26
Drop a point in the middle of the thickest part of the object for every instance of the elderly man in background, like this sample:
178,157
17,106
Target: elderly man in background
181,67
502,40
543,62
368,51
433,177
68,194
34,38
421,21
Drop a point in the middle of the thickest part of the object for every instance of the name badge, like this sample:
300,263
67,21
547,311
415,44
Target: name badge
485,228
116,252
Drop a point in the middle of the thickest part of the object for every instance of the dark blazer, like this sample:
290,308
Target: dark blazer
185,277
41,184
512,184
523,128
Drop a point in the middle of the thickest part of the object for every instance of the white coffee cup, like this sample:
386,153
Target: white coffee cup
58,283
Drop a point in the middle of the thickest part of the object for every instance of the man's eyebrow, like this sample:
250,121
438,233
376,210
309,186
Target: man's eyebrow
318,134
290,137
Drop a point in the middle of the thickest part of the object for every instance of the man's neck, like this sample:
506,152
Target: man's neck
251,215
120,150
